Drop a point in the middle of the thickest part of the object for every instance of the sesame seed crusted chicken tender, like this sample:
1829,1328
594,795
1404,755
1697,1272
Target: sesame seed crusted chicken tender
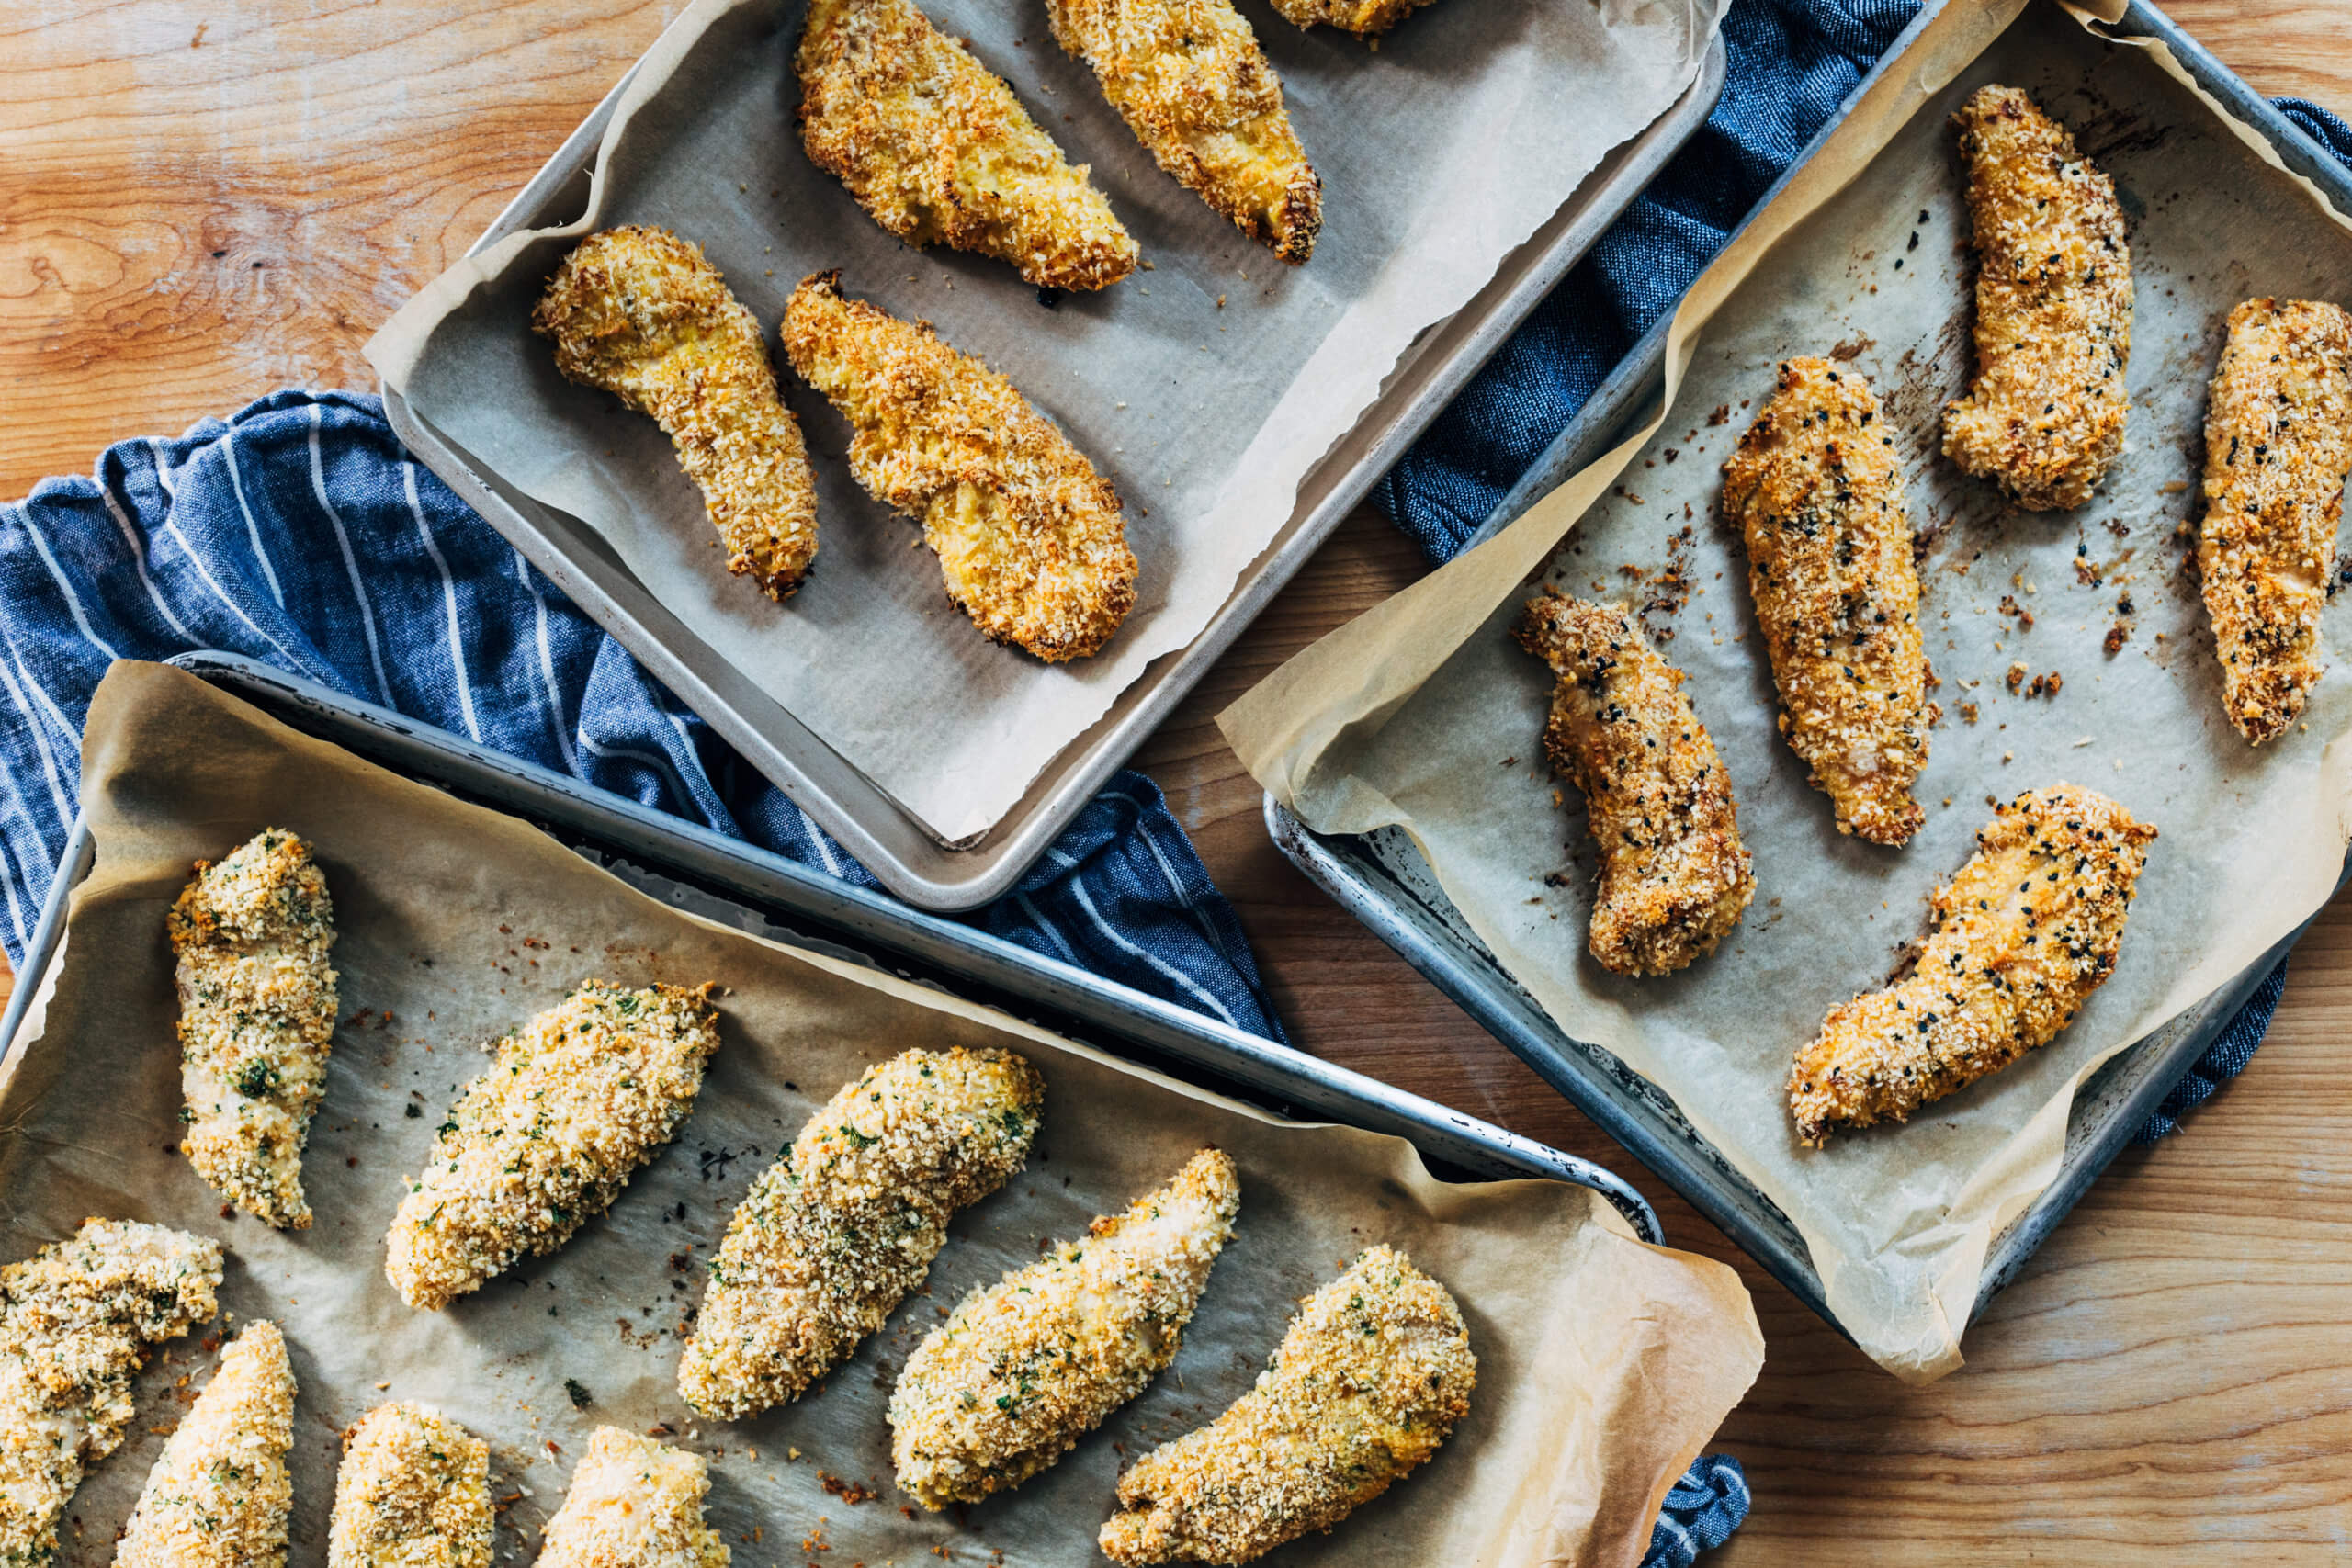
414,1491
575,1102
634,1503
935,146
640,313
220,1494
1674,875
77,1320
1025,1368
2054,309
1364,18
257,1010
2024,934
1029,536
1192,83
1815,487
2277,449
832,1236
1370,1376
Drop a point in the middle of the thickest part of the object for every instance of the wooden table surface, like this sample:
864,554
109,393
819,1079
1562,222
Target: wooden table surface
202,200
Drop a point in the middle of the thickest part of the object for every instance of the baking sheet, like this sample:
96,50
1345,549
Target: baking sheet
1205,390
1442,737
1604,1363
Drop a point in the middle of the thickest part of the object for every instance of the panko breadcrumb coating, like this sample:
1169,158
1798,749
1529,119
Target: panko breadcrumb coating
1029,536
414,1491
257,1011
640,312
1192,82
634,1503
834,1235
2023,936
935,146
2044,416
1366,18
2277,449
1025,1368
544,1141
1674,875
220,1494
1370,1376
77,1320
1815,489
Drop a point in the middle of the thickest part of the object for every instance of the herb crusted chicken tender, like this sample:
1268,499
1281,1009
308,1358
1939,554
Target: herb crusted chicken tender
640,313
219,1496
1370,1376
1025,1368
832,1236
1366,18
935,146
257,1011
414,1491
1030,539
633,1503
543,1141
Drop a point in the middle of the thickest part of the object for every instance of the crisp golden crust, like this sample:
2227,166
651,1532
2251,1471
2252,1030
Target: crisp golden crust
2054,309
1370,1376
834,1235
633,1503
1365,18
1029,536
2024,934
543,1142
414,1491
2277,449
935,146
257,1010
640,312
1674,875
1814,488
1192,82
1025,1368
77,1320
220,1494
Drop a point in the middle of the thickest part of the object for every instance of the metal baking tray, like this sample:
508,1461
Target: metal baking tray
887,841
1382,879
725,880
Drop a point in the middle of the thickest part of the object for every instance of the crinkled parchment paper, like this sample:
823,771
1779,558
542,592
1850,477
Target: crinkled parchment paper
1205,390
1603,1363
1423,714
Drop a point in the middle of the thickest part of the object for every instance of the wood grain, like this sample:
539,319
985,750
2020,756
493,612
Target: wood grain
199,202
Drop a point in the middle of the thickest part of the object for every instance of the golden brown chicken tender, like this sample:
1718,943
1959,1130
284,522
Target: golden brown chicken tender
2054,309
2024,934
935,146
1365,18
2277,449
1674,875
1814,488
220,1496
640,312
1192,82
1030,539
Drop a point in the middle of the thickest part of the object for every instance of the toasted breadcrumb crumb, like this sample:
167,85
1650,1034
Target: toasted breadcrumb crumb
1366,18
634,1503
220,1494
414,1491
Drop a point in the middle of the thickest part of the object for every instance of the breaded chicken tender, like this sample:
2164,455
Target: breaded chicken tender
2024,934
1674,875
2054,309
257,1011
1029,536
1025,1368
1192,82
1370,1376
414,1491
935,146
832,1236
634,1503
77,1319
640,312
1814,488
1366,18
220,1494
2278,450
542,1142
